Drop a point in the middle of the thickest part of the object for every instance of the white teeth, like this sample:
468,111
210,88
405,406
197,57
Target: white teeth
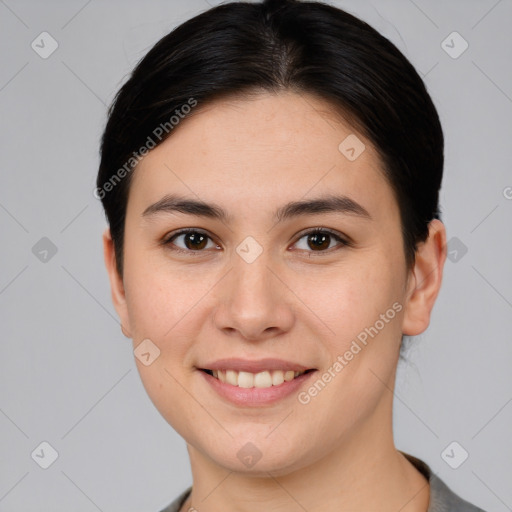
277,378
232,377
264,379
289,375
245,380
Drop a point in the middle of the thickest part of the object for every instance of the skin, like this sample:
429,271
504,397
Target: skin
293,302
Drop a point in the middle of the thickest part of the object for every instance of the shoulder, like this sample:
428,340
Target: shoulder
178,502
442,498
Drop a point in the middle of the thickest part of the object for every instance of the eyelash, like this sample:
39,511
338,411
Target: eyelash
167,242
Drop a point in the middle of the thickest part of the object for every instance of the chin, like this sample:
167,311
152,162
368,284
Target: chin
259,457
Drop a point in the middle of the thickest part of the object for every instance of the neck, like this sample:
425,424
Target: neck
364,472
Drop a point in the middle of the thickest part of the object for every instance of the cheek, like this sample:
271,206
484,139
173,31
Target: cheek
363,309
161,308
170,306
158,297
362,305
352,297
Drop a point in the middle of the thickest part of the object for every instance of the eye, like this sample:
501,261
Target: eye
319,240
193,241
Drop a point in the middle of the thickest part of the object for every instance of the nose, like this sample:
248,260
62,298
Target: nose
254,302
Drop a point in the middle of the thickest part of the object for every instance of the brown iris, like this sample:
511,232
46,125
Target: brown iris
195,241
320,241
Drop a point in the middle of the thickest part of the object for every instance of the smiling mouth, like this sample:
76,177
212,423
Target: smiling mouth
264,379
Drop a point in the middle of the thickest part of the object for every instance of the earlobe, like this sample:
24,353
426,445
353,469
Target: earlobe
425,280
116,282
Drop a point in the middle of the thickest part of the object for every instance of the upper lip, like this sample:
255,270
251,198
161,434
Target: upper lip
254,366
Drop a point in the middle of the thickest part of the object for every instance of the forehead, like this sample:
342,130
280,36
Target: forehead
264,149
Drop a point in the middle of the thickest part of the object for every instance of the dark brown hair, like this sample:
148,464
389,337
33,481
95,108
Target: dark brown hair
240,47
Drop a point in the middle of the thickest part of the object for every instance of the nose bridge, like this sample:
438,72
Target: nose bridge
254,299
251,277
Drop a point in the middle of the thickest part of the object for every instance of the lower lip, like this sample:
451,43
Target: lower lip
254,397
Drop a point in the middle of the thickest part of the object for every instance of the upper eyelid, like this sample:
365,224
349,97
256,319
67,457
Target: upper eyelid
185,231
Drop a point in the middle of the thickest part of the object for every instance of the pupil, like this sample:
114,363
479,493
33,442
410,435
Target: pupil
196,239
318,237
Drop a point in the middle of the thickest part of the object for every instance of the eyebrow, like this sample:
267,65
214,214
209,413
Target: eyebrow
173,203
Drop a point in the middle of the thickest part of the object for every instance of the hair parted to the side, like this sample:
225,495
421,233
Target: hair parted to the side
239,48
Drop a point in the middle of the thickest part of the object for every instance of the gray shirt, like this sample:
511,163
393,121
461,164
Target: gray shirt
442,499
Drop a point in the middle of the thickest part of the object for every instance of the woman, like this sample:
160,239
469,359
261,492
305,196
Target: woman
270,174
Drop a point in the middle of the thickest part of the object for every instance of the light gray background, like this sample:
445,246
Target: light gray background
68,375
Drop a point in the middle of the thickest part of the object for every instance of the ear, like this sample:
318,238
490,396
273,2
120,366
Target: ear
116,283
424,280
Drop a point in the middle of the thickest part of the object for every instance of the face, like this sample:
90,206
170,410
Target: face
319,289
